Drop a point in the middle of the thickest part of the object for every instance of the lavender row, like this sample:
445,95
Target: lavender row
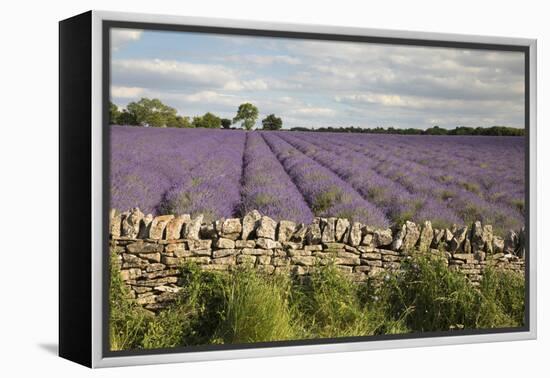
492,167
145,163
211,187
421,182
171,170
326,194
266,187
463,190
398,203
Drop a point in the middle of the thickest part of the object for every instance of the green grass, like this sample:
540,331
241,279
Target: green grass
247,306
256,308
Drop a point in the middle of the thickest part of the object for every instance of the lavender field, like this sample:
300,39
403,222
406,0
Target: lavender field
380,180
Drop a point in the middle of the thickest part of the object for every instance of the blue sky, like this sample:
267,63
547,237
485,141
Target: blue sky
318,83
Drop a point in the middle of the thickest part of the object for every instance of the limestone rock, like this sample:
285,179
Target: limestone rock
266,228
382,238
266,243
144,247
116,223
342,225
197,245
510,242
459,236
467,246
476,237
448,237
355,234
224,243
411,236
245,243
130,274
439,236
328,227
498,244
249,224
299,236
192,228
303,260
227,260
158,225
426,237
397,242
231,229
174,227
131,222
285,231
224,253
488,238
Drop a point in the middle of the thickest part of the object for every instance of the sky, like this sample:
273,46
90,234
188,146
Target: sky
312,83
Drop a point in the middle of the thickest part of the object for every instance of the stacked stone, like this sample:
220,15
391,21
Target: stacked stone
151,250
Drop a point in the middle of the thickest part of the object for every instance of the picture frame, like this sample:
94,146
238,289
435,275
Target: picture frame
85,211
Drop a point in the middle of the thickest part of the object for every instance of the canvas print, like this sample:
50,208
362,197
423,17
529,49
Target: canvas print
270,190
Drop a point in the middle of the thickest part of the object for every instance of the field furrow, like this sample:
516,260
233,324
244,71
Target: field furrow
326,193
421,180
212,186
492,167
398,202
266,186
194,171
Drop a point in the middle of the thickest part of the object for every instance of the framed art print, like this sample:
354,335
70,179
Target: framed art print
233,189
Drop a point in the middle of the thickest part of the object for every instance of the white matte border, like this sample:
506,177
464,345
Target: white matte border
97,206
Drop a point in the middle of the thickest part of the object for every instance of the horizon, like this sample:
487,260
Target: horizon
319,84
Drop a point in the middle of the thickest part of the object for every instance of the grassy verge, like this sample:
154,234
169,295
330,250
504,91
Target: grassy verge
247,306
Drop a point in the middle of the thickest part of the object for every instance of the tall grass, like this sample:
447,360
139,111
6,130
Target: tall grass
431,297
256,308
328,306
128,321
247,306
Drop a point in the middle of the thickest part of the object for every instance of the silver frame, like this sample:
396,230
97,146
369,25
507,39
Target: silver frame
98,360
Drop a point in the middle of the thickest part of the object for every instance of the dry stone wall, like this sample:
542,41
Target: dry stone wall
151,250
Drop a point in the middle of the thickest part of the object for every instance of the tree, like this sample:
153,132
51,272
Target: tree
208,120
247,114
126,118
436,130
114,113
226,123
272,123
151,112
178,121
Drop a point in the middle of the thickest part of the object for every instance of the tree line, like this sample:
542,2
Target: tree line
435,130
153,113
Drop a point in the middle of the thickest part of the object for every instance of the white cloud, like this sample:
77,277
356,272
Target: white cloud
262,60
210,97
121,37
127,92
314,111
255,85
156,73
